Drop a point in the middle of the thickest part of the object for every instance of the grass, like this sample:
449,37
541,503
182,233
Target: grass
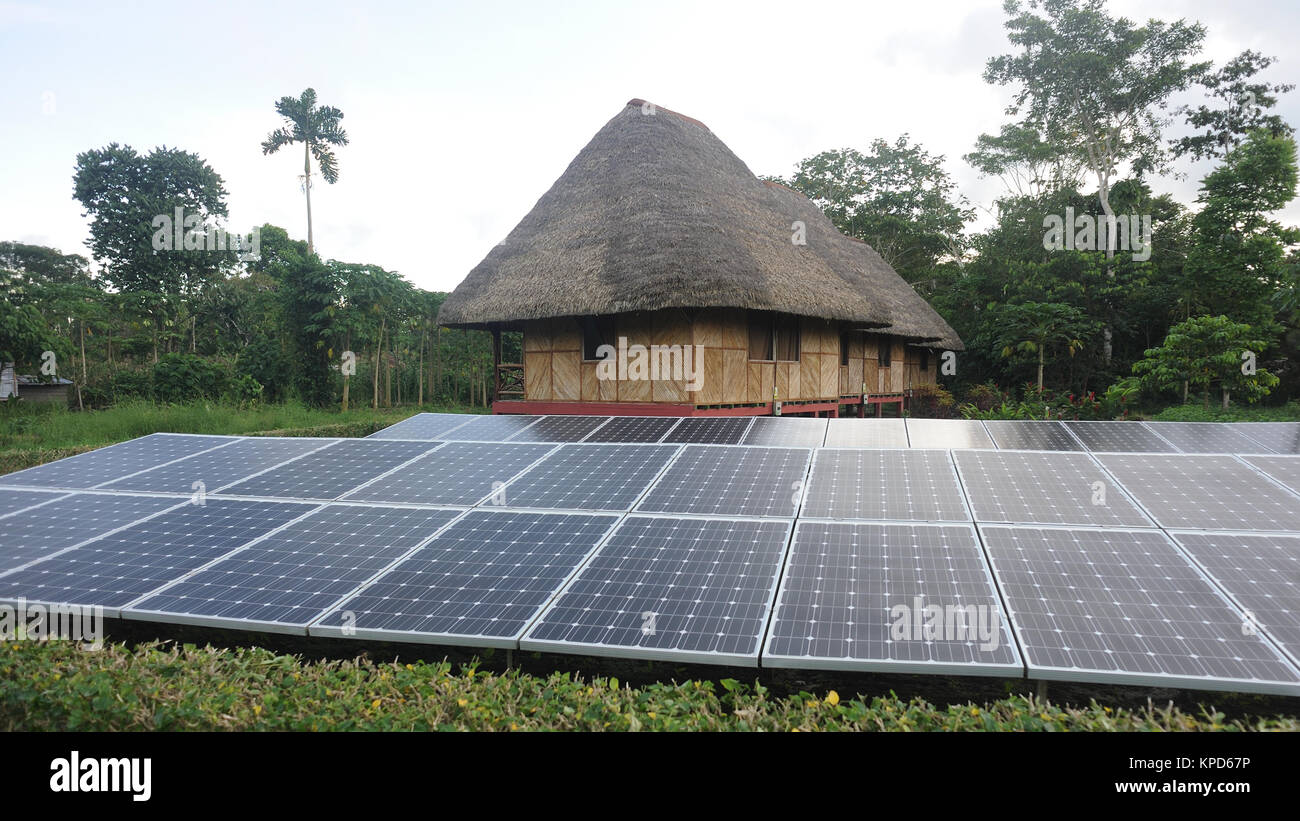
165,686
1290,412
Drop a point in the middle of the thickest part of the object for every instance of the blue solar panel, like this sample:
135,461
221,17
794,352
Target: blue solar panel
424,426
328,474
69,521
589,477
458,473
12,501
214,469
88,470
730,481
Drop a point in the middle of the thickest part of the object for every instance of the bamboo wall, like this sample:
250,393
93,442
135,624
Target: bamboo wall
554,369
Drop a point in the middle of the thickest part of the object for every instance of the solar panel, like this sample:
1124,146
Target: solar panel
1044,488
867,433
1206,437
118,568
1205,492
489,428
559,429
787,431
1016,434
673,589
458,473
479,583
589,477
1284,469
1119,437
916,485
423,426
285,581
113,462
69,521
328,474
709,431
1125,607
1261,572
947,433
1279,437
12,501
214,469
889,597
632,429
729,481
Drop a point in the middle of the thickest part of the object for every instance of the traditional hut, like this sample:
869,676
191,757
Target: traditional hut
658,275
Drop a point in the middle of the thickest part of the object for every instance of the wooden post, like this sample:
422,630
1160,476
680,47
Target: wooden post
496,363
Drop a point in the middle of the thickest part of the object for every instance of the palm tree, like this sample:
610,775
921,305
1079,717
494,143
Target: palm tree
317,129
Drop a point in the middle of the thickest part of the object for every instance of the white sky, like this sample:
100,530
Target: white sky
461,115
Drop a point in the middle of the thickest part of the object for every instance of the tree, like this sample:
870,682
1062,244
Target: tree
1094,87
897,198
1042,330
317,128
1243,111
1208,350
1028,165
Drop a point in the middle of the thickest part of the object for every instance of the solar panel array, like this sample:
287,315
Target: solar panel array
1165,556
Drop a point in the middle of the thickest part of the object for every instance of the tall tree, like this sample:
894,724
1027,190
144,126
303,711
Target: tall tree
1245,105
317,128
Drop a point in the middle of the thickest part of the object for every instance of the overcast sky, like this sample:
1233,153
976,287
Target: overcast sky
461,115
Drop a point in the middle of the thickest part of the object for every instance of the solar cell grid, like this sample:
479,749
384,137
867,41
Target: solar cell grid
870,433
787,431
328,474
489,428
288,579
1125,607
480,582
1261,573
113,462
458,473
1119,437
1279,437
947,433
1204,492
730,481
677,589
709,431
12,501
1044,488
632,429
864,597
424,426
1284,469
1206,437
214,469
69,521
1016,434
116,569
559,429
917,485
589,477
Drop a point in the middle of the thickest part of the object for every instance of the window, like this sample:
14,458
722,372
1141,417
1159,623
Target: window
884,347
844,349
597,331
925,359
773,337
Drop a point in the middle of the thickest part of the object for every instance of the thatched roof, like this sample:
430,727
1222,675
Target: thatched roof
655,212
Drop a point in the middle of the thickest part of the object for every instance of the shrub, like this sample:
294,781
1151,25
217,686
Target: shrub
932,401
179,377
984,397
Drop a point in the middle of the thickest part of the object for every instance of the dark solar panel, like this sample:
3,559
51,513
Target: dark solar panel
1284,469
288,579
917,485
947,433
730,481
423,426
458,473
1261,572
1209,492
889,597
1015,434
866,433
632,429
710,431
481,582
589,477
328,474
660,588
1119,437
1279,437
1044,488
786,431
69,521
114,462
559,429
489,428
116,569
1125,607
214,469
1206,437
